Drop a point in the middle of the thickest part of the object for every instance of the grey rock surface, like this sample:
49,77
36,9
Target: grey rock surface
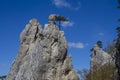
99,57
42,55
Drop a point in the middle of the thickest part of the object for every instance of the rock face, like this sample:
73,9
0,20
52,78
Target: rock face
99,57
42,55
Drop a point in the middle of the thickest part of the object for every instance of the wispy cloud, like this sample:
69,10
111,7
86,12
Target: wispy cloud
66,4
77,8
67,24
101,34
3,65
61,3
76,45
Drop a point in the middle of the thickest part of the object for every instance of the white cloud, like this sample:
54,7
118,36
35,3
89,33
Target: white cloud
67,24
101,34
61,3
3,65
66,4
76,45
77,8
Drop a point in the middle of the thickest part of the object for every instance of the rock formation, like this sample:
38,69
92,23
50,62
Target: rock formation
42,55
99,57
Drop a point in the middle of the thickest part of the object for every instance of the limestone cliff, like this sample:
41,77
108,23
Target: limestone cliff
99,57
42,55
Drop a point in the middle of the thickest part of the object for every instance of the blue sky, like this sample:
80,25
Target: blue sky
89,21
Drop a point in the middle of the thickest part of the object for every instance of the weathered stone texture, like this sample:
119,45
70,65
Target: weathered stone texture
42,55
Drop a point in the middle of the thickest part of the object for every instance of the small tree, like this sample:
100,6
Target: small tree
60,19
117,55
117,46
99,43
3,77
105,72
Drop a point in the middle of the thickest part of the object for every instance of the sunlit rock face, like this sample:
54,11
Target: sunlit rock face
99,57
42,55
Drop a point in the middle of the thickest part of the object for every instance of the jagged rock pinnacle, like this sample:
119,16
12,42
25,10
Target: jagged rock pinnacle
51,19
99,57
42,55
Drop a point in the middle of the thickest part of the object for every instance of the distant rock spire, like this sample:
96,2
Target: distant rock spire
99,57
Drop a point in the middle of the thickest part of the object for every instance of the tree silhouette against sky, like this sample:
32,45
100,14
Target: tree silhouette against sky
117,46
60,19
